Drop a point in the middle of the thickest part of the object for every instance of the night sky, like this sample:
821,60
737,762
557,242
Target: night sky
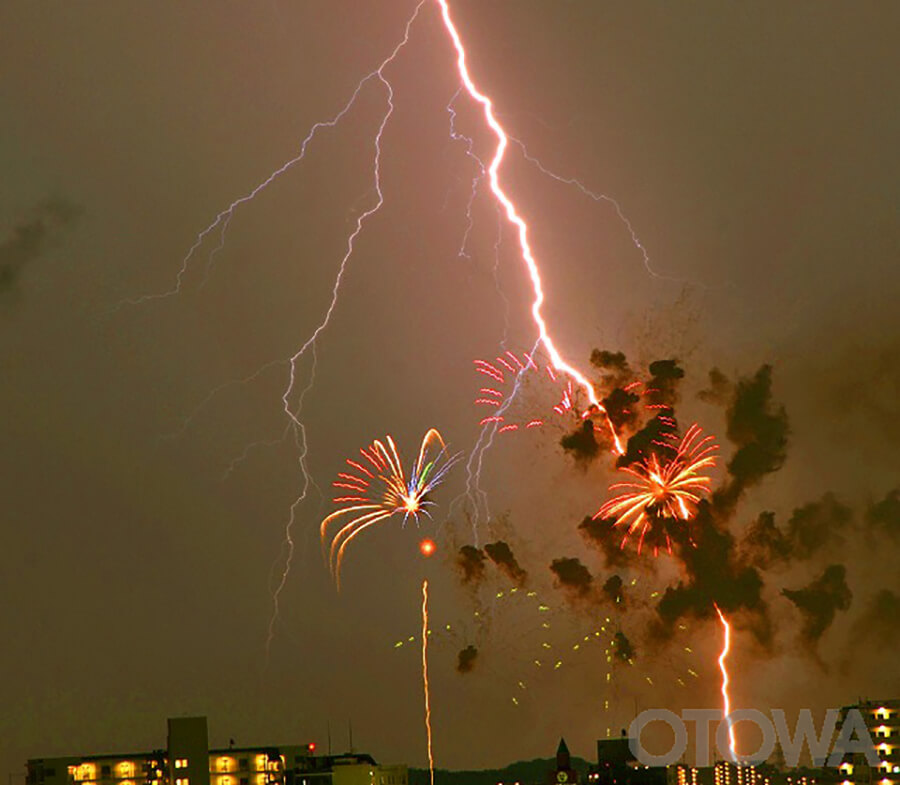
752,147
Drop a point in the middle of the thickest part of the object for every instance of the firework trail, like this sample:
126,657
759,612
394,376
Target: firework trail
514,218
378,489
726,700
425,678
662,491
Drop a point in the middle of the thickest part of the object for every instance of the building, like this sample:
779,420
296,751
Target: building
187,760
617,765
727,773
882,719
563,774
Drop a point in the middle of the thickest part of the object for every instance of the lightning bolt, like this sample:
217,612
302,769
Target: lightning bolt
514,218
291,402
726,700
294,414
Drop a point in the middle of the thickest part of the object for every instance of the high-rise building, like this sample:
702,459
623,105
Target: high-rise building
187,760
882,719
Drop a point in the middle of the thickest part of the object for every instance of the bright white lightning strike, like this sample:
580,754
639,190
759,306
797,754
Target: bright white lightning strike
514,218
292,404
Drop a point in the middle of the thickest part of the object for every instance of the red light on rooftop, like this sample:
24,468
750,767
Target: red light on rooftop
311,746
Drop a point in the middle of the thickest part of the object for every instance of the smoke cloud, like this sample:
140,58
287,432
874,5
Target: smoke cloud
465,660
884,516
573,577
501,554
470,562
600,534
820,600
623,648
810,528
31,237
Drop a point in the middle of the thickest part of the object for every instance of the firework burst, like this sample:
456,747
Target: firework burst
378,488
663,491
503,378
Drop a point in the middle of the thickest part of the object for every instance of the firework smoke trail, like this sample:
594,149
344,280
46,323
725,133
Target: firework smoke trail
726,700
425,678
514,218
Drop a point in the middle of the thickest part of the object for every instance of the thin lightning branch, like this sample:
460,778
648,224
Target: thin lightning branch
476,180
636,241
186,422
294,414
726,700
425,677
514,218
224,217
245,454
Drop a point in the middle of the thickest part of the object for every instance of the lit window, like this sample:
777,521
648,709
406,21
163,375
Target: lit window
182,781
181,763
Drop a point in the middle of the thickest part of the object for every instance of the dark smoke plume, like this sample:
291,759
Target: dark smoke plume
613,589
880,621
621,406
601,535
616,368
573,577
470,561
466,658
884,516
581,443
759,431
662,389
809,529
820,600
31,237
501,554
647,441
716,574
720,389
622,648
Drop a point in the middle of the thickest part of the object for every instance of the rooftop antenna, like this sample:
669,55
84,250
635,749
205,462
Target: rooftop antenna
350,733
328,731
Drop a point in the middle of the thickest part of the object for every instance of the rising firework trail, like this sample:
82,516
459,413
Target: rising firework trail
376,488
726,700
425,678
514,218
662,491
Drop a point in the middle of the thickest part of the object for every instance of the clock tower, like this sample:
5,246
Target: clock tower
564,774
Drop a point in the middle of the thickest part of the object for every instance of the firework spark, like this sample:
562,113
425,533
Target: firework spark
378,489
663,491
514,218
425,677
505,369
726,700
